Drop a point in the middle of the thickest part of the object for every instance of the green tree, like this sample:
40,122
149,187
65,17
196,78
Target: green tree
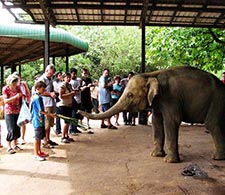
184,46
117,48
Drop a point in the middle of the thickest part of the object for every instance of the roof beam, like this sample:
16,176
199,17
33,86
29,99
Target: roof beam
47,11
175,13
200,11
143,13
119,7
102,12
76,11
125,15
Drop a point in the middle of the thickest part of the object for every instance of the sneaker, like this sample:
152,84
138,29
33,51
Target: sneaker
70,139
39,158
48,146
18,148
103,126
11,151
43,154
112,127
65,140
90,132
52,143
74,134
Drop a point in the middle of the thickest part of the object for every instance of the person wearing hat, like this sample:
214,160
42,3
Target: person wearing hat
26,96
12,95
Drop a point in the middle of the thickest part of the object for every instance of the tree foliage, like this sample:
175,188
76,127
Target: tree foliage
184,46
116,48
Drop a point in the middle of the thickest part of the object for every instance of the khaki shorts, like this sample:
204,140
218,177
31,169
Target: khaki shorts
49,121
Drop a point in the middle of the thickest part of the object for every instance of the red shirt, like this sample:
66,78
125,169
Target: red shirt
13,107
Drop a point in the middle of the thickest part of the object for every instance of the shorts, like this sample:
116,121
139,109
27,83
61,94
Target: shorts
105,107
12,127
49,121
66,111
39,133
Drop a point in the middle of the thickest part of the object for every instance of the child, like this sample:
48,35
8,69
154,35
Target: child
37,111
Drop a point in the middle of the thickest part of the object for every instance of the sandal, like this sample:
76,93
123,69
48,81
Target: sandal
18,148
48,146
69,139
65,140
11,151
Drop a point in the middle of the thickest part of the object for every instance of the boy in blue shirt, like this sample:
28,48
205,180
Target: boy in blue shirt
38,120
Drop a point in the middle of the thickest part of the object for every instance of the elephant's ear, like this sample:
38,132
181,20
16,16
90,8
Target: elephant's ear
153,86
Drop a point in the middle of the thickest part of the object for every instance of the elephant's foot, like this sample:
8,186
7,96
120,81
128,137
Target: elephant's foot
218,155
171,158
158,153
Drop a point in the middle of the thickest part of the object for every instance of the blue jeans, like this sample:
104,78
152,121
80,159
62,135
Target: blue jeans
76,107
57,121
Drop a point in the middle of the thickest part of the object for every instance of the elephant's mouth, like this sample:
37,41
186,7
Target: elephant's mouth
138,105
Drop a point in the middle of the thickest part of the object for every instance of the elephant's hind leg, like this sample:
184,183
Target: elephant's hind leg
219,142
158,135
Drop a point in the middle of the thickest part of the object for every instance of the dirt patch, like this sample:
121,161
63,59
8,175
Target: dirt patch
113,162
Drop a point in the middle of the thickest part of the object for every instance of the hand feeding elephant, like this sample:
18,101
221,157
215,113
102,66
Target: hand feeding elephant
178,94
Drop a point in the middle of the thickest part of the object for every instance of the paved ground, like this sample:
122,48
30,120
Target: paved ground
112,162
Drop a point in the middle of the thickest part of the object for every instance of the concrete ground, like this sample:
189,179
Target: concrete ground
112,162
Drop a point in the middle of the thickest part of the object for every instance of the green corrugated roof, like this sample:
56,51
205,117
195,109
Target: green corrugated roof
37,32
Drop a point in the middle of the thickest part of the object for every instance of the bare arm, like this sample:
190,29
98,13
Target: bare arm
53,115
11,99
62,93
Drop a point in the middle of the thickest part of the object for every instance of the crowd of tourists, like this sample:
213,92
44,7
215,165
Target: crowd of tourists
59,94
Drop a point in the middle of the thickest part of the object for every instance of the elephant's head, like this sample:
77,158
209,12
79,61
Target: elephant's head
137,96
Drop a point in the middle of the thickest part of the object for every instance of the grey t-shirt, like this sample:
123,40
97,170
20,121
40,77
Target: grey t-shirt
48,101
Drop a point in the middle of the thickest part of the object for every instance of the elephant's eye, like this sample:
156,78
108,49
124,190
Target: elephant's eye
130,95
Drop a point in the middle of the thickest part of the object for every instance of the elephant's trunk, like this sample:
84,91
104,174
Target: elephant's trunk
112,111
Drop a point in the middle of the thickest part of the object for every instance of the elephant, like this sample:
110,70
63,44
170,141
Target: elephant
181,93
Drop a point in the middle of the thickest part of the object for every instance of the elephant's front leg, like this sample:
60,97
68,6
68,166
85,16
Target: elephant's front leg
171,135
158,134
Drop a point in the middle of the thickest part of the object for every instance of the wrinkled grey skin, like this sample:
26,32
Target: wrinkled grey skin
175,95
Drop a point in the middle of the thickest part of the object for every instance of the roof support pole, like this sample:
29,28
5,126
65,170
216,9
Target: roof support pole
142,117
143,46
53,60
20,70
2,77
67,61
13,68
47,35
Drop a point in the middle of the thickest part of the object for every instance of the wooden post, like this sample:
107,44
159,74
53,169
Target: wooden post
143,116
47,35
